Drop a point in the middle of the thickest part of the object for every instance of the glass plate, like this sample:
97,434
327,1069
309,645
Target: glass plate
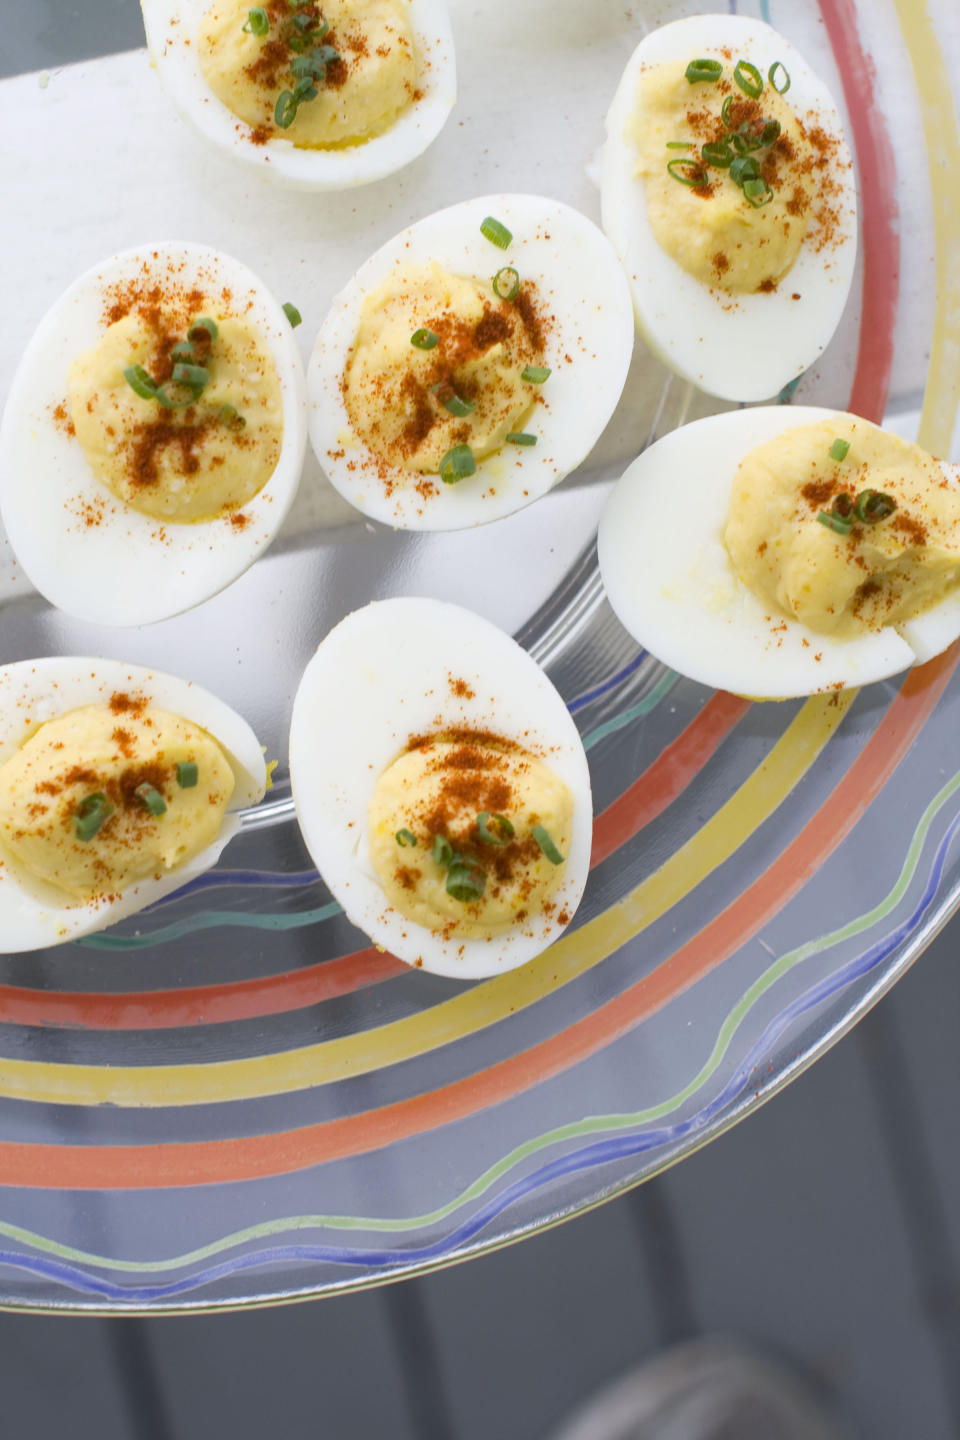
232,1098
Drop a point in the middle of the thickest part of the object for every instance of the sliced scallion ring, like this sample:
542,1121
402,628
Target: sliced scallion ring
770,133
292,314
744,168
442,852
779,65
231,417
466,882
195,375
424,339
405,837
203,326
177,397
543,839
458,463
91,815
748,78
495,232
151,799
521,437
757,192
285,110
257,22
506,283
454,405
717,153
502,832
535,374
872,506
725,109
841,524
183,350
140,382
700,70
839,449
688,171
187,774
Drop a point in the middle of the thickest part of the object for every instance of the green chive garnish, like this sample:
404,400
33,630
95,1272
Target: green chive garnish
187,773
183,350
203,326
535,374
466,882
502,832
292,314
542,838
749,79
140,382
744,168
195,375
442,852
506,283
496,233
258,21
679,144
424,339
700,70
91,814
872,506
521,437
285,110
455,406
770,133
688,171
785,86
405,837
151,798
838,450
842,524
717,153
457,464
725,109
172,397
231,417
758,192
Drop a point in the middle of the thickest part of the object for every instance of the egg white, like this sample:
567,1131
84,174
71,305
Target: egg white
670,581
34,914
743,347
131,569
588,350
381,676
172,27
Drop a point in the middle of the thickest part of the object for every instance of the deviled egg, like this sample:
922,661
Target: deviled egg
441,787
471,363
154,435
322,96
117,785
785,550
728,193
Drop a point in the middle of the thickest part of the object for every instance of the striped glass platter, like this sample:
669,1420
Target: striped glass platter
232,1098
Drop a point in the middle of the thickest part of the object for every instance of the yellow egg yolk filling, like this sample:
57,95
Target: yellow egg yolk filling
111,794
698,212
453,829
181,462
842,574
357,56
410,405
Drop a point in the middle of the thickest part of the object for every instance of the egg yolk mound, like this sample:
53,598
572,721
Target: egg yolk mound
410,406
698,212
206,453
452,834
356,56
863,566
78,801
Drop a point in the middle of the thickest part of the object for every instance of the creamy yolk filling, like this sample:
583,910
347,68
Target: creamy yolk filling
698,213
453,829
186,461
357,56
842,574
399,397
107,795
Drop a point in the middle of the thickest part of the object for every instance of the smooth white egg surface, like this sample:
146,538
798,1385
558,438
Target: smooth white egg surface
669,578
406,668
583,298
85,549
173,28
35,914
742,346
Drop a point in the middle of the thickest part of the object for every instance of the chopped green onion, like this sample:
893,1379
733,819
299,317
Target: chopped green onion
140,382
872,506
779,65
292,314
230,415
151,798
203,326
757,192
740,142
304,90
704,70
535,374
183,350
455,406
170,401
749,79
842,524
679,144
466,882
442,853
496,233
302,20
688,171
457,464
542,838
520,437
424,339
725,109
187,774
504,829
314,65
717,153
744,168
285,110
405,837
770,133
195,375
506,283
91,815
258,21
838,450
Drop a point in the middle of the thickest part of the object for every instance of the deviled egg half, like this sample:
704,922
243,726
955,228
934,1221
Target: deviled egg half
785,550
323,96
441,787
471,363
729,194
153,436
117,785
